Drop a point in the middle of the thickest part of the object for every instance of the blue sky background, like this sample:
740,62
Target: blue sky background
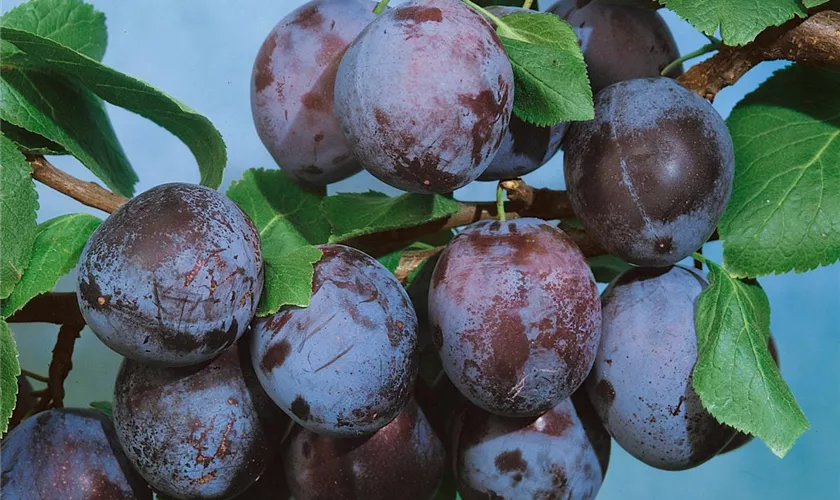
201,51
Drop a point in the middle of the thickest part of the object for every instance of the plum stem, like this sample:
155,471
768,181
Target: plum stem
709,47
87,193
380,7
698,256
527,4
501,28
500,202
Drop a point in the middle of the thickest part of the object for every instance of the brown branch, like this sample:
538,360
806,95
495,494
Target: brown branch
814,40
59,308
62,361
87,193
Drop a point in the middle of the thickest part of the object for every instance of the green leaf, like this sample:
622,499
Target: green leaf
194,130
30,143
288,279
548,69
607,267
356,214
9,370
72,23
58,244
289,220
783,214
735,375
18,207
813,3
52,107
106,407
739,20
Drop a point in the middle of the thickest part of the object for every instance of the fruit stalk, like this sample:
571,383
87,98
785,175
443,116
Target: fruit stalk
87,193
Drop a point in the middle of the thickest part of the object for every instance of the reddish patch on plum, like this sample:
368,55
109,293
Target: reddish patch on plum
487,110
276,355
263,76
332,46
315,102
510,461
309,18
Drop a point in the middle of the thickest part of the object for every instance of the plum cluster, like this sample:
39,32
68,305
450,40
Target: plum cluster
517,373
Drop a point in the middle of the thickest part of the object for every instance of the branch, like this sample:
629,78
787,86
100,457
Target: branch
62,361
814,40
87,193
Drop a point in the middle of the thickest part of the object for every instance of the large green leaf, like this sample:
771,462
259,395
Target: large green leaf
56,251
289,220
735,375
9,370
548,69
356,214
30,143
739,20
785,209
18,208
193,129
72,23
52,107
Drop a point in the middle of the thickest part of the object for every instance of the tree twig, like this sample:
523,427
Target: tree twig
62,361
814,40
34,376
87,193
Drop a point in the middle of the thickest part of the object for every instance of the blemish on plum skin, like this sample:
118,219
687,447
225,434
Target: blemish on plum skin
275,355
605,391
510,461
300,408
419,14
309,18
314,101
263,76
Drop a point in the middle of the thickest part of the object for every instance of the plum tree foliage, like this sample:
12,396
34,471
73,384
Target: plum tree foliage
281,341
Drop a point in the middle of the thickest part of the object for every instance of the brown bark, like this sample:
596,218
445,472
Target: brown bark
87,193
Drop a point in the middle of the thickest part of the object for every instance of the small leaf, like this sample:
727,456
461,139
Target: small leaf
9,371
783,214
548,69
58,244
18,207
194,130
289,220
607,267
52,107
356,214
740,21
735,375
72,23
288,279
106,407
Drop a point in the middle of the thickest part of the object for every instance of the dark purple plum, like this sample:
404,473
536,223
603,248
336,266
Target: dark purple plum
405,460
525,147
197,432
68,453
741,438
424,96
515,314
172,277
562,454
345,365
25,401
619,42
650,176
292,89
640,384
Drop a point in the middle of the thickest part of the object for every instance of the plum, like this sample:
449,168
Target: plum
619,42
650,176
68,453
562,454
172,277
525,147
640,384
515,315
203,431
424,96
292,89
404,459
345,365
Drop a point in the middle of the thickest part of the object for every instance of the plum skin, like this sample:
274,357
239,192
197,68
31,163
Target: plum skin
345,365
515,315
563,453
619,42
68,453
640,384
172,277
405,459
650,177
203,431
292,89
424,96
